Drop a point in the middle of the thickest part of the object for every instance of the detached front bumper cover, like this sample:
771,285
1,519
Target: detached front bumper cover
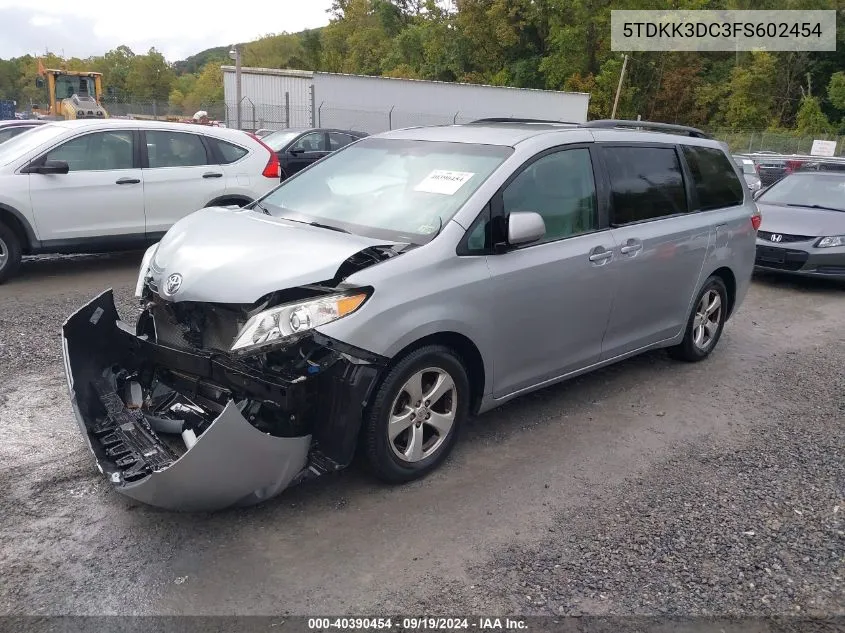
231,462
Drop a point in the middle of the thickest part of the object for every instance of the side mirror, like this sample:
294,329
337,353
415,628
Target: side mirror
49,167
757,194
296,151
525,227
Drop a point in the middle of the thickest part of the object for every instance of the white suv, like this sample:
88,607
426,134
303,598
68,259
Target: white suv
93,186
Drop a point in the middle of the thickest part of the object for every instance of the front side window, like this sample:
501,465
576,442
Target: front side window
396,189
560,187
315,142
175,149
714,178
98,151
646,183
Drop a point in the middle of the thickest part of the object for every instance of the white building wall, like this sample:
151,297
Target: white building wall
263,93
376,104
365,103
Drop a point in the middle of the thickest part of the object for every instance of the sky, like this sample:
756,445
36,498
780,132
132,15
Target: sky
176,29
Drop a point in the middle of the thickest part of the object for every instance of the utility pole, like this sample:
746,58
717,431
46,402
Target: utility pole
235,54
619,87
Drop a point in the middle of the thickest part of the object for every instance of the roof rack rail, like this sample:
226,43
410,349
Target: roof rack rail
519,120
648,125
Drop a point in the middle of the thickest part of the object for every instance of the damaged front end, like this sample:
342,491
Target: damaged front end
178,418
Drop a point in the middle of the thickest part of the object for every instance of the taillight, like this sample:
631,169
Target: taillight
273,169
756,218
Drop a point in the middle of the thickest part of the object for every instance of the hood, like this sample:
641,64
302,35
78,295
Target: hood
227,256
801,220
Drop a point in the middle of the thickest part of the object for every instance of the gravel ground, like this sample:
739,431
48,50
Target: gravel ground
754,528
648,488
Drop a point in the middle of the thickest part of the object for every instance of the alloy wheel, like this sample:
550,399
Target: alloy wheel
422,414
708,317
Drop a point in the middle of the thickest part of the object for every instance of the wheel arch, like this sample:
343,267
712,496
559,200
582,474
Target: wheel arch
729,279
466,349
16,221
229,199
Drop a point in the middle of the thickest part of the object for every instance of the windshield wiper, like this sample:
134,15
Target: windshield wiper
260,206
814,206
328,226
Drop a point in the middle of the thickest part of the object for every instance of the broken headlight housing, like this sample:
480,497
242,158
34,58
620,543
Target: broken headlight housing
145,268
281,322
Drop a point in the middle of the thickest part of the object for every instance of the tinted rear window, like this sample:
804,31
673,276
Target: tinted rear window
713,177
646,183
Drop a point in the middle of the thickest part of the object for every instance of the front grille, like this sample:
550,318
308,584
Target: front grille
780,258
785,239
195,325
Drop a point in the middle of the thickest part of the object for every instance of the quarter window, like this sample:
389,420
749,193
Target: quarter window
338,140
175,149
646,183
98,151
715,180
561,188
230,152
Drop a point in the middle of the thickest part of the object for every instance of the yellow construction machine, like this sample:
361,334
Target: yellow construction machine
74,94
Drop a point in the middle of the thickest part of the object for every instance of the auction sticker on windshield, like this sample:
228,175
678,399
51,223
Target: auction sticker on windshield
444,181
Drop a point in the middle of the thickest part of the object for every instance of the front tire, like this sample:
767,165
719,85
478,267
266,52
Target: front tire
10,253
416,413
705,323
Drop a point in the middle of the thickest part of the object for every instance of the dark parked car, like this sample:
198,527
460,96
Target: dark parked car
298,148
13,127
770,168
803,227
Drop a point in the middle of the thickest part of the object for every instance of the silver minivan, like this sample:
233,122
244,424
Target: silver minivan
373,302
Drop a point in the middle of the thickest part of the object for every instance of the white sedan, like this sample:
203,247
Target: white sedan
105,185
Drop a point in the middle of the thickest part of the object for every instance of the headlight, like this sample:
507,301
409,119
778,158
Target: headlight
294,318
834,240
145,267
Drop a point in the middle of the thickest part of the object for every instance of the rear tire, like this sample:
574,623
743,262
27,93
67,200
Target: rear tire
10,253
705,323
415,415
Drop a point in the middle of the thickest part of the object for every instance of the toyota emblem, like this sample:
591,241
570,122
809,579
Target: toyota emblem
776,237
174,282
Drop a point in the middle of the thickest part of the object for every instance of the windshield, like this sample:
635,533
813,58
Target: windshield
69,85
28,141
402,190
808,189
277,140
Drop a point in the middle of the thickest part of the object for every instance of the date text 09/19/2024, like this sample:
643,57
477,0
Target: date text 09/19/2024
415,624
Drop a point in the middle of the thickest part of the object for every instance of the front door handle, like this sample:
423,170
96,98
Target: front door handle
127,181
601,256
212,174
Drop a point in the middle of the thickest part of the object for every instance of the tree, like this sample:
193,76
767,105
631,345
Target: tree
836,90
749,104
115,65
207,89
810,119
150,77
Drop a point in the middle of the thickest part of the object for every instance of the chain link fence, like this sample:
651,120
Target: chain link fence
254,116
748,141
